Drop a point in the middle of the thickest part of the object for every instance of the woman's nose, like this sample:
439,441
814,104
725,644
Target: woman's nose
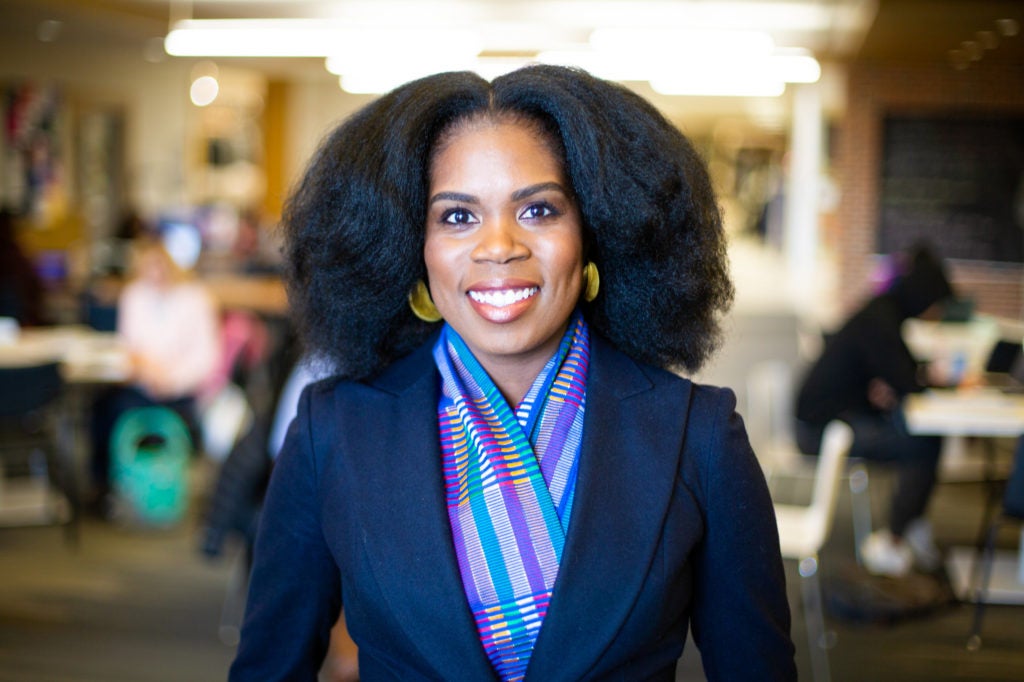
500,242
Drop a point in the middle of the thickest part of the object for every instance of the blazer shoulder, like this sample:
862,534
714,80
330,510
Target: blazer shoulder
621,374
395,379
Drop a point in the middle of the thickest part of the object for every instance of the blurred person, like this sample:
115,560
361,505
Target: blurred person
861,377
503,479
168,323
21,290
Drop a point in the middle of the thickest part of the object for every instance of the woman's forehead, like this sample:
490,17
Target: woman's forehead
514,123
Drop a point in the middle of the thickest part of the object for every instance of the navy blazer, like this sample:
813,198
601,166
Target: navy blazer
672,526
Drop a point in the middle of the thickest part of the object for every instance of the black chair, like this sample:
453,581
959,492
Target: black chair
1012,510
38,485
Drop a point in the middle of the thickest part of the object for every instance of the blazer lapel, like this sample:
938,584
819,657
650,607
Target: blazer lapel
627,474
409,541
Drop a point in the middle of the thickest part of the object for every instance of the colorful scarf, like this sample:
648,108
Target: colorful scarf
510,479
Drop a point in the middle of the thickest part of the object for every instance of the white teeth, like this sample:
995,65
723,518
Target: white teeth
500,299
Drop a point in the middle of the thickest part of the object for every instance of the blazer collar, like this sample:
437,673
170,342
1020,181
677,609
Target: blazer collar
632,440
409,543
629,454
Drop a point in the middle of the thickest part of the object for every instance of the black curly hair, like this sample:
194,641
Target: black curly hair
354,227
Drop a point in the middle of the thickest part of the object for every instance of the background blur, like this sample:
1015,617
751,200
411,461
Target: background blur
837,132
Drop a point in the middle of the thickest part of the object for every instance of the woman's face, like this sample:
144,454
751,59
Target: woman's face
153,268
504,244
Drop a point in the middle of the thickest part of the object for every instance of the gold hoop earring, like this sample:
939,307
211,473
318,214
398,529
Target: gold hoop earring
422,306
591,281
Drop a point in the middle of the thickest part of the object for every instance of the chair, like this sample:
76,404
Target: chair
803,531
1012,509
38,485
768,416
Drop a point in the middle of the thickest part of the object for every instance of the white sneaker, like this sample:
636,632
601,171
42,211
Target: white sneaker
918,535
882,555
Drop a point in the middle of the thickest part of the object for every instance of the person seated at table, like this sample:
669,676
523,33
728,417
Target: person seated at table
21,290
167,322
861,377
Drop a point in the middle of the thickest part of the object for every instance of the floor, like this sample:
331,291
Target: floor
132,605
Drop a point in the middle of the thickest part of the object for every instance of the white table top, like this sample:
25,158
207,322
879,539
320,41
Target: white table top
86,355
977,411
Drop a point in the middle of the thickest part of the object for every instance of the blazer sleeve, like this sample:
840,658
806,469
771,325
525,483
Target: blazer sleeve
741,618
295,592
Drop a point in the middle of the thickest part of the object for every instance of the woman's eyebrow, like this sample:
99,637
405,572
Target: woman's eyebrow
520,194
454,196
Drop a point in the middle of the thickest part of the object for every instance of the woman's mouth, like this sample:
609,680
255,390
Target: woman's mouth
502,305
504,297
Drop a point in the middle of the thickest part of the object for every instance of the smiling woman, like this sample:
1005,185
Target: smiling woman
502,481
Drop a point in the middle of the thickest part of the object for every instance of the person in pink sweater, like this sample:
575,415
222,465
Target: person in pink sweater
168,322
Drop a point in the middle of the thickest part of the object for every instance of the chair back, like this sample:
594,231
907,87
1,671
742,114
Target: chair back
768,415
28,388
835,446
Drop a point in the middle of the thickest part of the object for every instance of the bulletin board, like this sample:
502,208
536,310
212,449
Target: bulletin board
955,180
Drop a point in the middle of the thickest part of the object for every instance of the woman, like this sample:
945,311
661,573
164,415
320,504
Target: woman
168,324
503,482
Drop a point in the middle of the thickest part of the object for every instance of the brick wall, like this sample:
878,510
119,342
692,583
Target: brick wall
875,90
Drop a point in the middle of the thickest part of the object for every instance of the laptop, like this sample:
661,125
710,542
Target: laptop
1005,367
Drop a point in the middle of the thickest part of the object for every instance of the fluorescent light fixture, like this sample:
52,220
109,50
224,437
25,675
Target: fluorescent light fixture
402,49
712,84
698,60
371,78
787,15
795,67
682,43
714,73
766,77
252,38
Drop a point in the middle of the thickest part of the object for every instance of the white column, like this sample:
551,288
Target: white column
800,209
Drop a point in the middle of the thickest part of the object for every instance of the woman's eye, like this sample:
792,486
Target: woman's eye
538,211
457,216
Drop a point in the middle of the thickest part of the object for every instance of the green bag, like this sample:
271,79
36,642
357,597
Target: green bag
150,447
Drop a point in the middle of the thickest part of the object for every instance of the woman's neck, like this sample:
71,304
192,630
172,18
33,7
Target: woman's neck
513,376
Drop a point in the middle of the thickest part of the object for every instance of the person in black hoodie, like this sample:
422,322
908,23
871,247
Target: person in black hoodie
861,377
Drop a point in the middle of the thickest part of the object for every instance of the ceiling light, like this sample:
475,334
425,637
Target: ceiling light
370,78
204,90
715,74
400,49
794,66
252,38
682,43
712,84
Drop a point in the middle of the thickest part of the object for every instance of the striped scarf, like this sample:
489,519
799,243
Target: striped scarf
510,479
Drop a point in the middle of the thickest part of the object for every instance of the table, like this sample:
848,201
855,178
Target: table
86,355
984,412
978,411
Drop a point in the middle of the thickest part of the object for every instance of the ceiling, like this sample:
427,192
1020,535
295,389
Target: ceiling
875,30
903,30
926,30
